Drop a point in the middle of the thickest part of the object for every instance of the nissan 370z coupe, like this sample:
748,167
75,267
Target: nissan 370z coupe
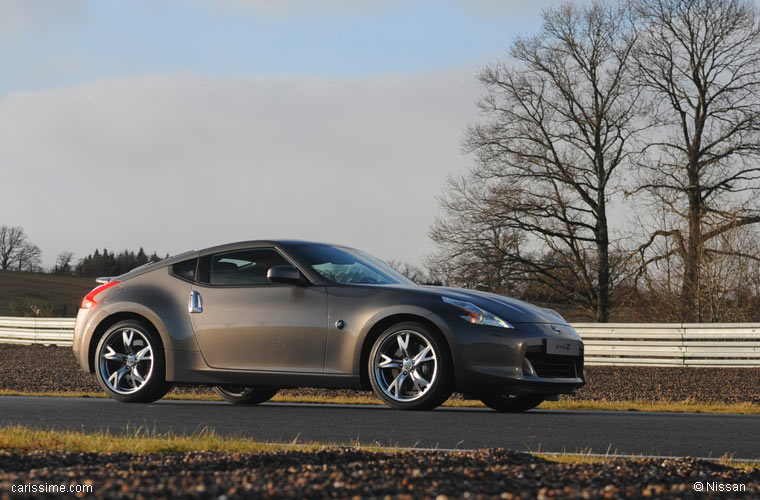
253,317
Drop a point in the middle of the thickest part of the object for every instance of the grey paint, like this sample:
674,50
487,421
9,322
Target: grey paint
285,335
272,327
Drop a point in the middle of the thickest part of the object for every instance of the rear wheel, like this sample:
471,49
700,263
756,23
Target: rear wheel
511,404
130,363
409,368
245,395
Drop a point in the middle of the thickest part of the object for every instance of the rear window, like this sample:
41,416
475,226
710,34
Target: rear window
186,269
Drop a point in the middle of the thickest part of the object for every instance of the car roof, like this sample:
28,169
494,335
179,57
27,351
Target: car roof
264,243
238,245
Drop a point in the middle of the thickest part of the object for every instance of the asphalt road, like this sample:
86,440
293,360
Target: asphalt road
640,433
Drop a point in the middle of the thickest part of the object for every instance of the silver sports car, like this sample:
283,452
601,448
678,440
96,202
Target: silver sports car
254,317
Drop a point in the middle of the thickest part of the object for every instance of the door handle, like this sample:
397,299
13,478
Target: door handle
195,305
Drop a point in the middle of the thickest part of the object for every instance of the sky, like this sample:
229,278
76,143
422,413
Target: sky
178,125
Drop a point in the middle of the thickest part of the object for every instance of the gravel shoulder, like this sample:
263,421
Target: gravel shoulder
36,368
353,473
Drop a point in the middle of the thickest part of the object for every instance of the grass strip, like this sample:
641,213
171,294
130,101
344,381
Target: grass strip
686,406
137,440
727,460
141,440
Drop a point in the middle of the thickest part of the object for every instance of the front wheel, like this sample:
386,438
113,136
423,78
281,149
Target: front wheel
511,404
245,395
409,368
130,364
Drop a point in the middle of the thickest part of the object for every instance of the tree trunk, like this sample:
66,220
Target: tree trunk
691,310
603,249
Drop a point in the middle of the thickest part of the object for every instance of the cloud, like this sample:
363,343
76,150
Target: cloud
504,7
283,7
178,162
22,15
487,7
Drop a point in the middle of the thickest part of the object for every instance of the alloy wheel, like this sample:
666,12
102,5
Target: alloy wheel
126,360
405,366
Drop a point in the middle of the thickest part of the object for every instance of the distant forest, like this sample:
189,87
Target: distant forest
107,263
17,253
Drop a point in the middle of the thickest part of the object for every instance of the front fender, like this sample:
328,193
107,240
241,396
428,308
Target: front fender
393,315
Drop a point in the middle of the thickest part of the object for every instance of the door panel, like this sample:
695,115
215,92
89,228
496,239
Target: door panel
268,327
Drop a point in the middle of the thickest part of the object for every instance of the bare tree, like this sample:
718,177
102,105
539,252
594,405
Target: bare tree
729,281
12,240
700,62
560,121
29,258
411,271
473,242
63,263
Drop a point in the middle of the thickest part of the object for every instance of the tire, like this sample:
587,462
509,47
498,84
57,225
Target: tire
511,404
409,367
245,395
130,365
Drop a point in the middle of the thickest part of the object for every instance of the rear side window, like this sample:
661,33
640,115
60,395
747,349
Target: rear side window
186,269
241,267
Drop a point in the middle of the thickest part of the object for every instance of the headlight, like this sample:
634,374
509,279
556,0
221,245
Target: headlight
476,315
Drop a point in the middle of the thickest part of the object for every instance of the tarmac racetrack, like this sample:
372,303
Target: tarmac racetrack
621,433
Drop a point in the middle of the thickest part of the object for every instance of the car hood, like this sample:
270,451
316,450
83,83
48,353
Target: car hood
507,308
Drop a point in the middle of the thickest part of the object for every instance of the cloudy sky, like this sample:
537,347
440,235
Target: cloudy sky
181,124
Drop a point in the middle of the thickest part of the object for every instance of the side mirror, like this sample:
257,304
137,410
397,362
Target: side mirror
284,274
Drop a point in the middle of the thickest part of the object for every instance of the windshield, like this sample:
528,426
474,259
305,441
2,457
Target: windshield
348,266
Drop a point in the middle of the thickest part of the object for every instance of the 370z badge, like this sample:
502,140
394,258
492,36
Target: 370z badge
563,347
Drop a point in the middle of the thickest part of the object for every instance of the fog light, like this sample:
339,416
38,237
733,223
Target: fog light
528,368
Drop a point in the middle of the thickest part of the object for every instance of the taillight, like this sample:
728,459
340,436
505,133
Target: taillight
89,301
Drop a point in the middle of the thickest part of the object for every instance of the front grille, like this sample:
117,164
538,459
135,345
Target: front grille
547,366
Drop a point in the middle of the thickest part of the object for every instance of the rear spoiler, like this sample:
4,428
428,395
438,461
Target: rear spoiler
103,280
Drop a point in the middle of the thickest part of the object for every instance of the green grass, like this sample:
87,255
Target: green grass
570,404
50,292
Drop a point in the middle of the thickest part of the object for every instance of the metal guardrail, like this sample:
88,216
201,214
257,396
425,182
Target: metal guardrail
668,344
612,344
52,331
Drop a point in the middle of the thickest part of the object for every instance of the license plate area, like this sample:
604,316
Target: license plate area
562,347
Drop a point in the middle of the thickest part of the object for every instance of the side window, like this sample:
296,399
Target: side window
185,269
242,267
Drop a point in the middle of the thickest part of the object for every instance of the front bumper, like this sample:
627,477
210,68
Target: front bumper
515,361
